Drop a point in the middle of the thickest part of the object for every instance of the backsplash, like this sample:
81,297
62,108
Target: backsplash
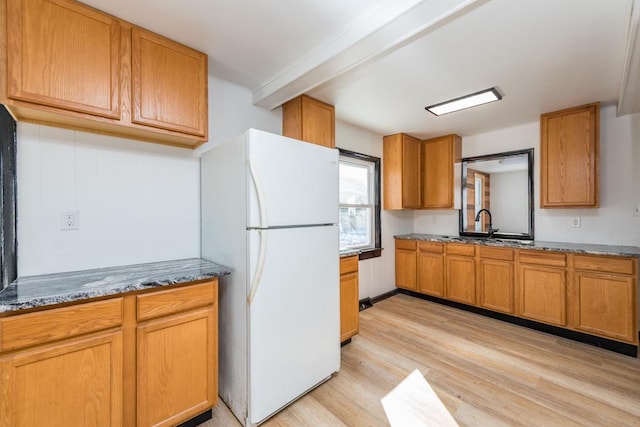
136,202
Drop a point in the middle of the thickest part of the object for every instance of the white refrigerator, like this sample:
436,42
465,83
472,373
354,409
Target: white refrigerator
270,213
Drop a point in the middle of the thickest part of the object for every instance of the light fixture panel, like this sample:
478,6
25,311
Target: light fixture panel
464,102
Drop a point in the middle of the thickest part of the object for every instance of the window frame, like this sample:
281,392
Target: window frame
376,249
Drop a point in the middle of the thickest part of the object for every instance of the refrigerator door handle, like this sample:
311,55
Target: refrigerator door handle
260,267
260,193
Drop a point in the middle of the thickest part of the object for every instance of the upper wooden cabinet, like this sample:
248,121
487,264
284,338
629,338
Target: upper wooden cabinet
162,96
65,55
310,120
401,172
440,177
569,145
421,174
73,66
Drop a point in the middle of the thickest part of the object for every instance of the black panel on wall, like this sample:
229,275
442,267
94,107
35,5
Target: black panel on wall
8,242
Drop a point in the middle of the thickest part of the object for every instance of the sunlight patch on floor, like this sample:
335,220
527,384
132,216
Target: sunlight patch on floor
414,403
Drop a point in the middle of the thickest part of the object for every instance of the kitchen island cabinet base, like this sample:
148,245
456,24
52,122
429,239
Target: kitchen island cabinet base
616,346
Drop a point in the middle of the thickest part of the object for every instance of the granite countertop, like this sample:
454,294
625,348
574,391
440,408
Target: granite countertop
578,248
57,288
349,252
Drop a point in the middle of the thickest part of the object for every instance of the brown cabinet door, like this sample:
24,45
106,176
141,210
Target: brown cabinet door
604,305
348,305
168,83
496,285
437,173
77,382
177,360
309,120
569,147
318,122
543,294
406,269
63,54
461,279
410,172
401,172
431,274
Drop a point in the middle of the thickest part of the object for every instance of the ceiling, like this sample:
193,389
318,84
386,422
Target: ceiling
380,62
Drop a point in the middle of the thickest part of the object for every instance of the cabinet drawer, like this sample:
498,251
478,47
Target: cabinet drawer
608,264
496,253
543,258
460,249
171,301
30,329
431,247
348,264
406,244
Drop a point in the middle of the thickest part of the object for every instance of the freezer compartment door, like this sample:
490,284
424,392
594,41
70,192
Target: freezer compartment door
294,317
290,182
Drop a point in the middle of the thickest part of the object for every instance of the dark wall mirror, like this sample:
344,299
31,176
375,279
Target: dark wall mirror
497,195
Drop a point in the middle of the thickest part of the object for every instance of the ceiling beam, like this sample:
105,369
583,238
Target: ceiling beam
376,33
629,96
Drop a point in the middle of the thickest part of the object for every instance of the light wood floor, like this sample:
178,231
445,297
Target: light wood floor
486,372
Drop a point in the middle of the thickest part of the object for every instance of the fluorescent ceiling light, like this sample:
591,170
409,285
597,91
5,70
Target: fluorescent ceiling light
467,101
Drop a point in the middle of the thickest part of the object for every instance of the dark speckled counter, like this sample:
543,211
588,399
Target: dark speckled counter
51,289
348,252
578,248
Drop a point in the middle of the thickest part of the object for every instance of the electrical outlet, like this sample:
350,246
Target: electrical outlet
69,219
575,222
636,210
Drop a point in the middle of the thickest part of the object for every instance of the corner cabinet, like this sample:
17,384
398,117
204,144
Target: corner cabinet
401,172
421,174
595,295
309,120
70,65
569,161
349,293
440,171
139,359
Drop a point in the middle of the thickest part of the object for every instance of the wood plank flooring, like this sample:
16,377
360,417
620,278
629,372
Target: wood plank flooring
486,372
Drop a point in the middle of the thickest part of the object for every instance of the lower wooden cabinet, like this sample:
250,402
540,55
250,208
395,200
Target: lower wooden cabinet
461,279
176,368
74,383
591,294
139,359
406,257
496,279
460,273
349,294
431,273
604,305
543,294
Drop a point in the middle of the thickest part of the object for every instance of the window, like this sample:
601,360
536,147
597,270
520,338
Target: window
359,201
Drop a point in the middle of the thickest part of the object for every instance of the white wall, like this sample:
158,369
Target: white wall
509,200
231,112
376,275
612,223
138,202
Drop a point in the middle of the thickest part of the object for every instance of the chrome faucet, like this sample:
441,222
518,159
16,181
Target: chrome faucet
491,229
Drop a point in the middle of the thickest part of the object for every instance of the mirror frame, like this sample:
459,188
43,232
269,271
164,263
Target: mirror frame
527,236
